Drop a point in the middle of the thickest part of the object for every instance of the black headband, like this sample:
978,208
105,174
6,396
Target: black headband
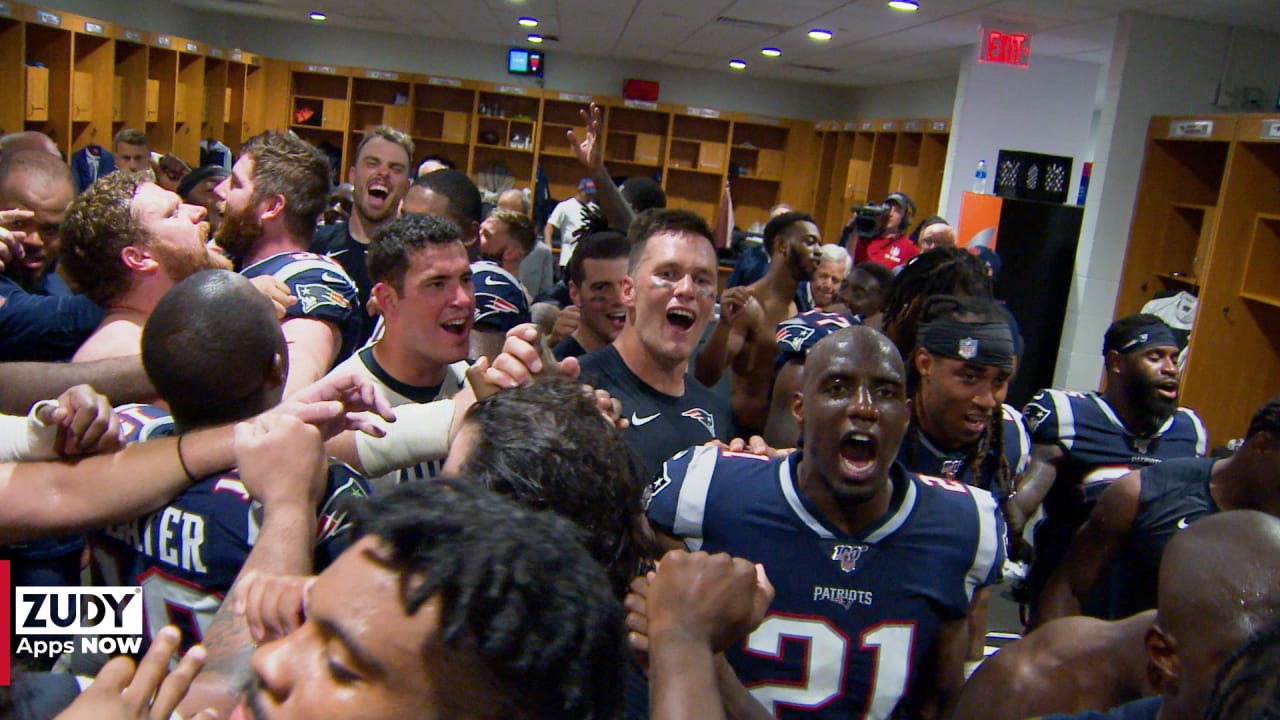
1143,337
981,343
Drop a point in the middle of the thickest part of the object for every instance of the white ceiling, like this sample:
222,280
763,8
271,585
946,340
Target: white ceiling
873,45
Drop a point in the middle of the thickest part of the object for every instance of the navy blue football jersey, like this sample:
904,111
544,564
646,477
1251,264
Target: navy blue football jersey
323,289
798,334
921,455
854,616
500,300
187,554
661,425
1097,449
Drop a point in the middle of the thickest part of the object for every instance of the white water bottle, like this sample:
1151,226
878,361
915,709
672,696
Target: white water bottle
980,178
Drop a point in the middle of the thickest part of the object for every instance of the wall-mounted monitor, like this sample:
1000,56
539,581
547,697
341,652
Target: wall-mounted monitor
524,62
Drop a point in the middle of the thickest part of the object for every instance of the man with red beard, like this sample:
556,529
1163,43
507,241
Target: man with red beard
276,191
380,178
126,241
745,339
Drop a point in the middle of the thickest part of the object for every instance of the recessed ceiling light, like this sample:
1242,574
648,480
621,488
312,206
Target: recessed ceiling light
904,5
528,22
770,52
318,16
535,38
737,65
820,34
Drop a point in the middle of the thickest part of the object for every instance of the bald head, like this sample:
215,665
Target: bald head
860,341
1218,585
214,350
29,140
35,181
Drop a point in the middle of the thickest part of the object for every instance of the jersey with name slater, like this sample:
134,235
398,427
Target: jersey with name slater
854,616
1097,450
187,554
500,300
919,454
323,289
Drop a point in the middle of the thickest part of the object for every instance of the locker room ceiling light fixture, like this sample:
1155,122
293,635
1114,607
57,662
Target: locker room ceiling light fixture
535,38
737,65
820,34
528,22
318,16
904,5
770,52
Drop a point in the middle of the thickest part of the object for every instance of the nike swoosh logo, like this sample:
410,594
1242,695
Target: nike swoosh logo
329,278
489,280
1183,524
335,253
638,421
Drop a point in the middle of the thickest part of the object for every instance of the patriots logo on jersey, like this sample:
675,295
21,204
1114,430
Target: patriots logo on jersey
314,295
792,336
702,416
847,556
1033,415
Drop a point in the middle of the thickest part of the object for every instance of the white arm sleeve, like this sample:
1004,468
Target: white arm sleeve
419,434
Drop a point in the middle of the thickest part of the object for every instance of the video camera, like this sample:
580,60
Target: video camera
869,220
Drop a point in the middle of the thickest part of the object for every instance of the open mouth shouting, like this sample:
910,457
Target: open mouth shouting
617,320
457,326
1168,390
681,319
858,456
379,191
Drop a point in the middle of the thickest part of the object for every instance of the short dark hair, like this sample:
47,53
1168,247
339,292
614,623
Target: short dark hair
643,193
781,222
652,222
518,591
99,225
546,446
393,243
209,322
882,274
464,196
1266,419
1121,330
607,245
293,168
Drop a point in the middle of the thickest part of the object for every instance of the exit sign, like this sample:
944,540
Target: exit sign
1005,48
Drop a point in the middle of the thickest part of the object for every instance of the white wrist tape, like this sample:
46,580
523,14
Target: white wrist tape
25,439
419,434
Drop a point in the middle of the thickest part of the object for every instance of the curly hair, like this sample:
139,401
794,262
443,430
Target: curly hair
518,591
99,225
945,271
393,243
294,169
547,447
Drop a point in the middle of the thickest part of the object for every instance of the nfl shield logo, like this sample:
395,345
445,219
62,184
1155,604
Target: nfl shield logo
847,556
968,348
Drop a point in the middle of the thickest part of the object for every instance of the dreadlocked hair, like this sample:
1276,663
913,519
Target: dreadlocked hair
517,588
991,445
1247,686
593,221
942,271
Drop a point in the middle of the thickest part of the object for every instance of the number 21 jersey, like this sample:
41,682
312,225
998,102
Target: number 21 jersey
854,615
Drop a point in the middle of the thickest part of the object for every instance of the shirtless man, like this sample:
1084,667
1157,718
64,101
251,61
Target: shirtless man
745,339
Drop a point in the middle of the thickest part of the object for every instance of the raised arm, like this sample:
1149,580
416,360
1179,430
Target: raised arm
590,153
